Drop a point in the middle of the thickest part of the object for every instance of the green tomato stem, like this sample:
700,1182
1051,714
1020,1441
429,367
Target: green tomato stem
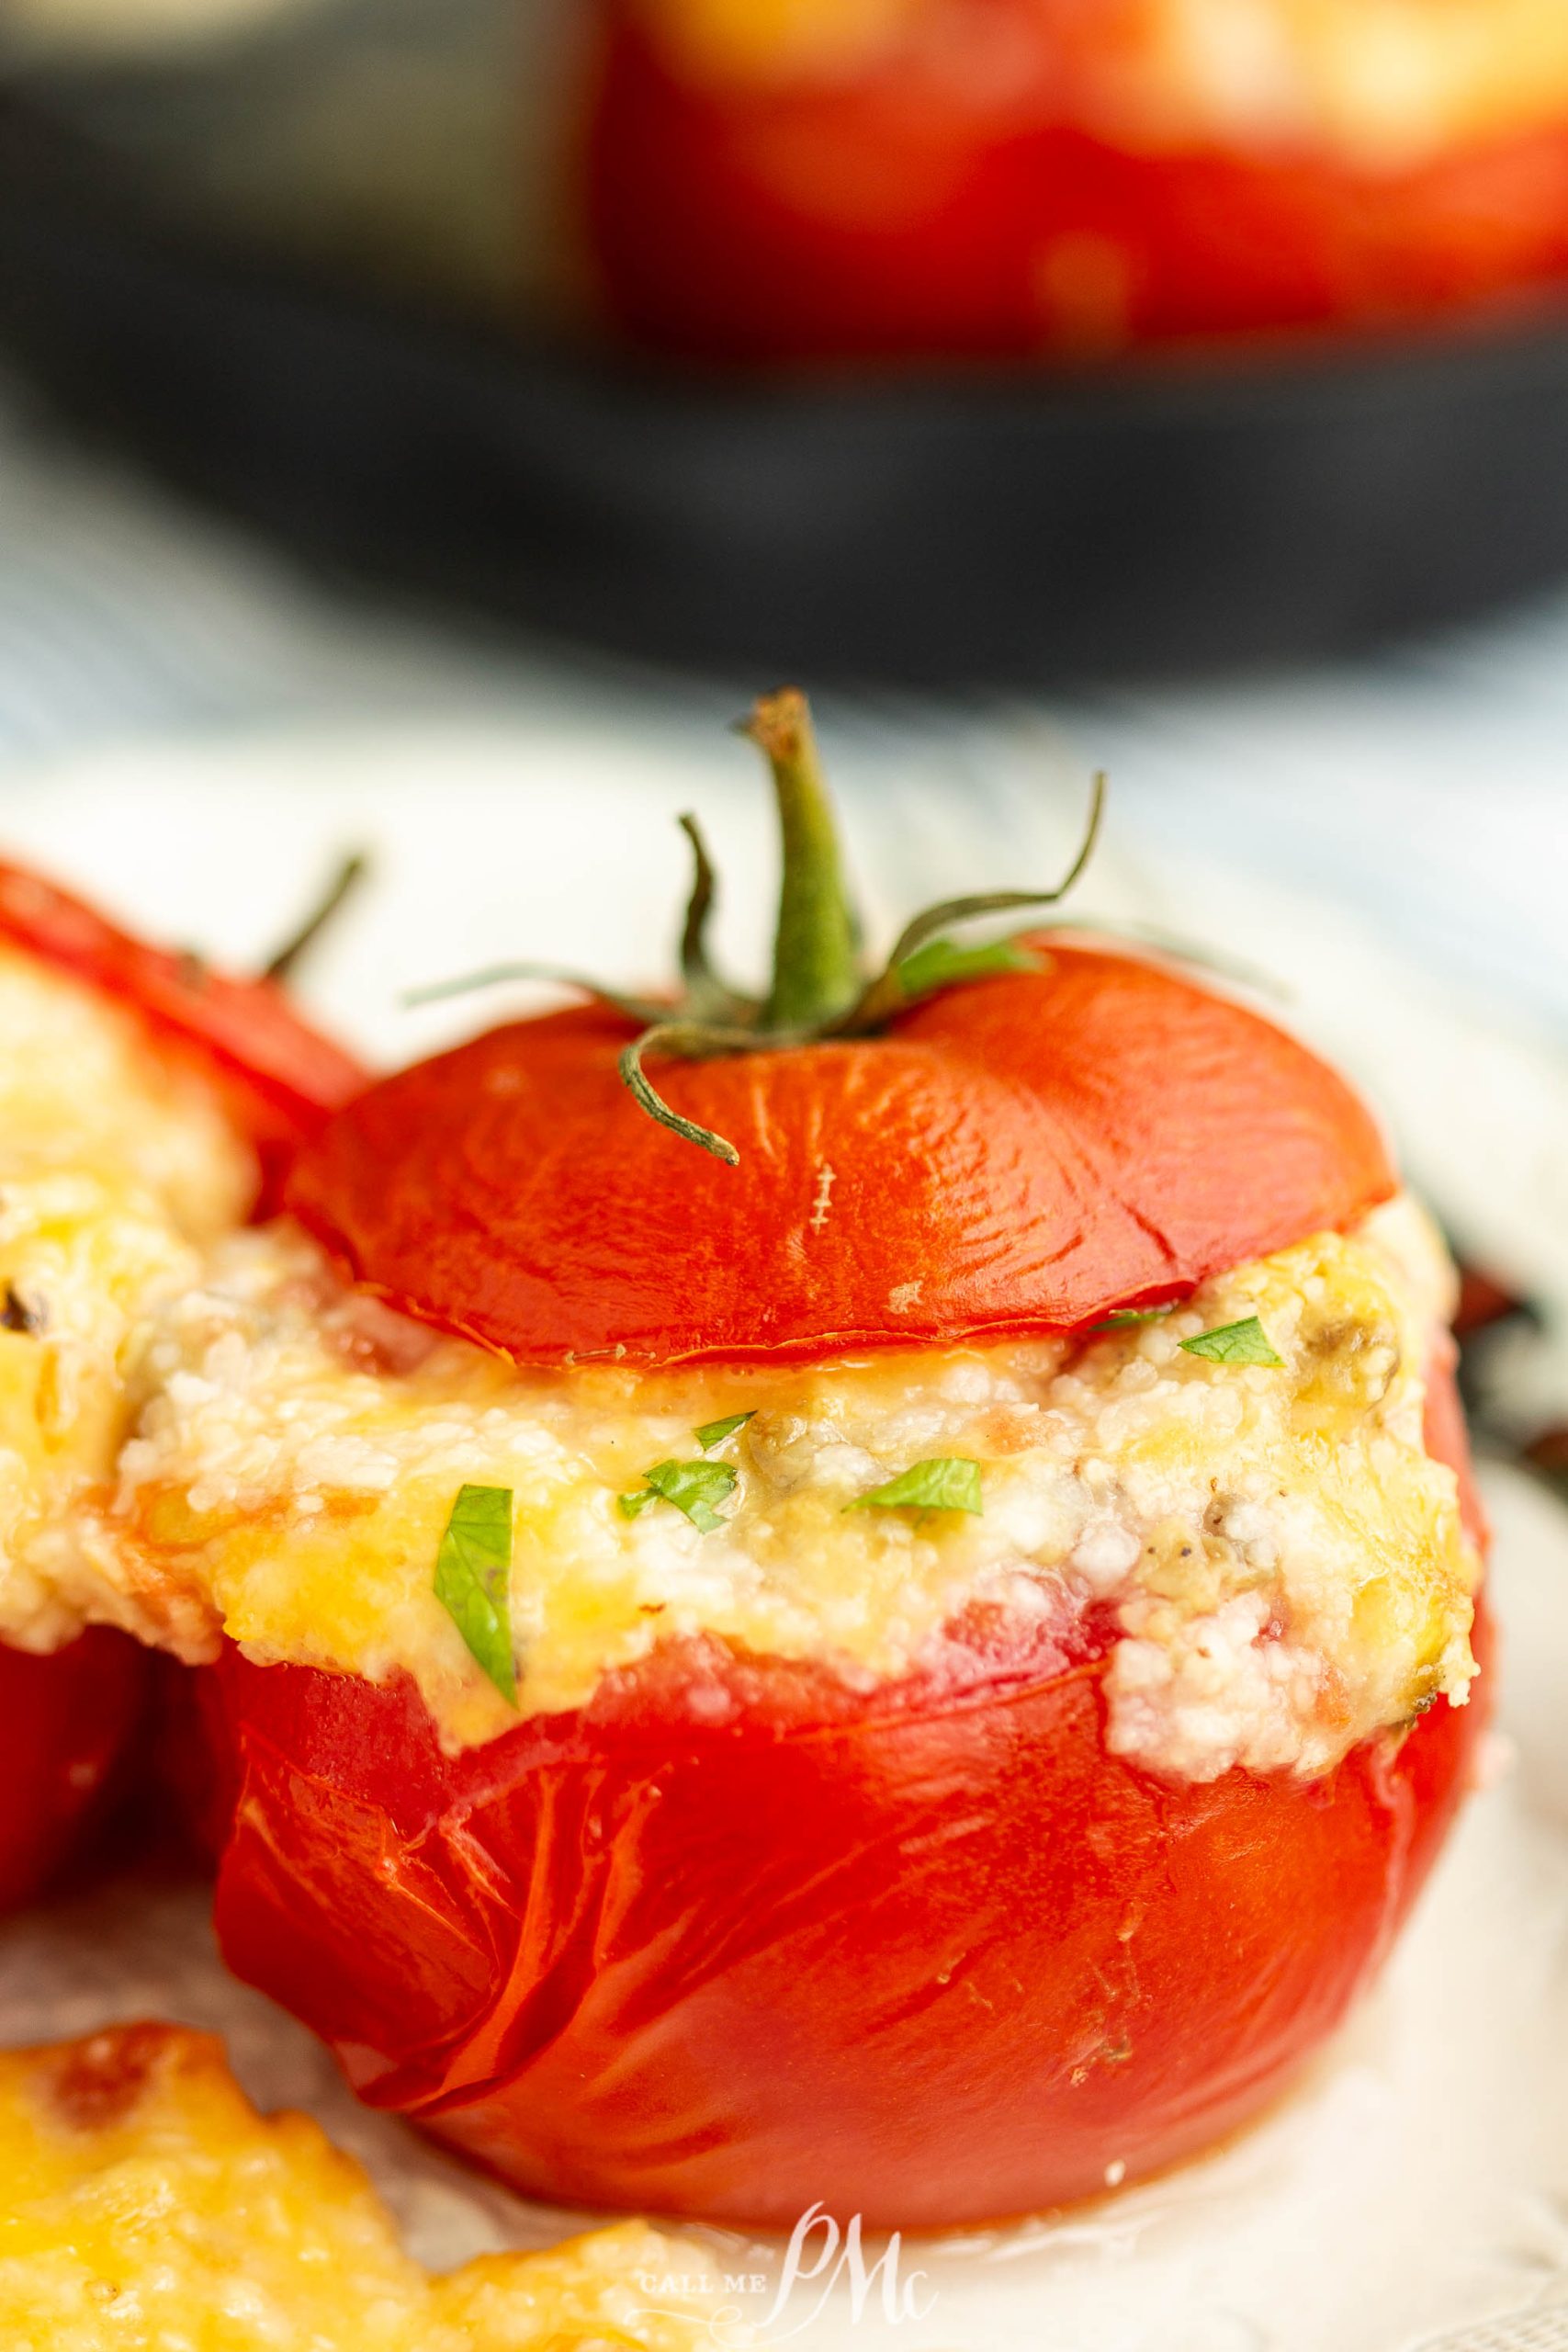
816,971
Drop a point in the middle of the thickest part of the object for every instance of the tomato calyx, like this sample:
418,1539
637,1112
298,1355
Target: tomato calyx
822,986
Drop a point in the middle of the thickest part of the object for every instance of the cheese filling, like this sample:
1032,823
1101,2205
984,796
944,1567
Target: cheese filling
116,1167
1372,85
147,2205
1284,1566
1381,86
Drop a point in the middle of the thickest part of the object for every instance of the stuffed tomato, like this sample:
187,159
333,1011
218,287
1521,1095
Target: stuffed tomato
142,1097
863,1597
1026,178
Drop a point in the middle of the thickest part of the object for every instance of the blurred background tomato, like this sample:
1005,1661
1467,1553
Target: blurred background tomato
1046,180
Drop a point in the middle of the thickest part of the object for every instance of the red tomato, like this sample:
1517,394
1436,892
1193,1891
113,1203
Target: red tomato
1019,1154
954,189
66,1721
934,1957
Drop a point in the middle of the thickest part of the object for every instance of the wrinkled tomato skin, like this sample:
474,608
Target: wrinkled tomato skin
67,1722
879,216
938,1966
735,1941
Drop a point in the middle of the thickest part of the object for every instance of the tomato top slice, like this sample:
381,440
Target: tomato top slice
279,1076
975,1142
1020,1155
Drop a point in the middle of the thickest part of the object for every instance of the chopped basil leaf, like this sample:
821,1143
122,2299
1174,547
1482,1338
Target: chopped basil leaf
1125,1316
473,1570
946,1483
1245,1342
713,1433
692,1486
942,964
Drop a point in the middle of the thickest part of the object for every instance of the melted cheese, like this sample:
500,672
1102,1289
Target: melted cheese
148,2208
1383,83
114,1167
1287,1564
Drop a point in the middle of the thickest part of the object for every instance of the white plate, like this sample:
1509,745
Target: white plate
1418,2183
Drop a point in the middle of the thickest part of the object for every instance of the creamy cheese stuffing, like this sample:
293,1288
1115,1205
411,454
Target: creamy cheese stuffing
1284,1564
116,1169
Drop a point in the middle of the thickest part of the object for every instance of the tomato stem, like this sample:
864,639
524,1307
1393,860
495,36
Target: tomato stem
817,967
820,986
350,872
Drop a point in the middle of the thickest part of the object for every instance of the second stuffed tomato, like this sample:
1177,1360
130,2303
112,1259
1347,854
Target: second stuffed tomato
143,1098
891,1623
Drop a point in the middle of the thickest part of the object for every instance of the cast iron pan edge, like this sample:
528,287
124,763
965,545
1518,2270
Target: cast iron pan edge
936,530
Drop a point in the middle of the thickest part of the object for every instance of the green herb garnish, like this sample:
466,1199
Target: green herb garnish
693,1487
945,1483
1125,1316
713,1433
1245,1342
473,1572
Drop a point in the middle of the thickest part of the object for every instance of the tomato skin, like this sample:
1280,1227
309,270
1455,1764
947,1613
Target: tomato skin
905,210
278,1076
735,1938
1023,1154
67,1722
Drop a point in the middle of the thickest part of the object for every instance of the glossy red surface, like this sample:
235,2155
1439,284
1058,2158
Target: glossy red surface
67,1721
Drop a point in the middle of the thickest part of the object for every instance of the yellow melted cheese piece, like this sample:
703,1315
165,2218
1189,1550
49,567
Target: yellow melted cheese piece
146,2206
115,1167
1380,84
1278,1537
